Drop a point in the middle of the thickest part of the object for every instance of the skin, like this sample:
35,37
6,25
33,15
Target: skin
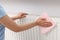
10,24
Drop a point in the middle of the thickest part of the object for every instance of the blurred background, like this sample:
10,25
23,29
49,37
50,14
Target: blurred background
52,7
35,7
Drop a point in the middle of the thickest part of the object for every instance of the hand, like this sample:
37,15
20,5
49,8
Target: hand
43,22
21,15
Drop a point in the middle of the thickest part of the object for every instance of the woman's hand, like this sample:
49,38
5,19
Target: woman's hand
43,22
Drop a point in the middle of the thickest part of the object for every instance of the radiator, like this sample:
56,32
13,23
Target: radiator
33,33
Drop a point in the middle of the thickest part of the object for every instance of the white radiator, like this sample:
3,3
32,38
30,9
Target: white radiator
33,33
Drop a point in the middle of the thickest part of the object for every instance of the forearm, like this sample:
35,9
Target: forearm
27,26
14,18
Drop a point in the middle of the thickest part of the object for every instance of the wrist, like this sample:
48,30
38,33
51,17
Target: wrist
14,18
35,23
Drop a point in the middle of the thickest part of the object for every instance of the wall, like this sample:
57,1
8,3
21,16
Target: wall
52,7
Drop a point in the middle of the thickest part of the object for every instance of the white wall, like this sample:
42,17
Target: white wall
32,6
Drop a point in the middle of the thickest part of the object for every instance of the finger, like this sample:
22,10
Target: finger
43,19
48,24
24,14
